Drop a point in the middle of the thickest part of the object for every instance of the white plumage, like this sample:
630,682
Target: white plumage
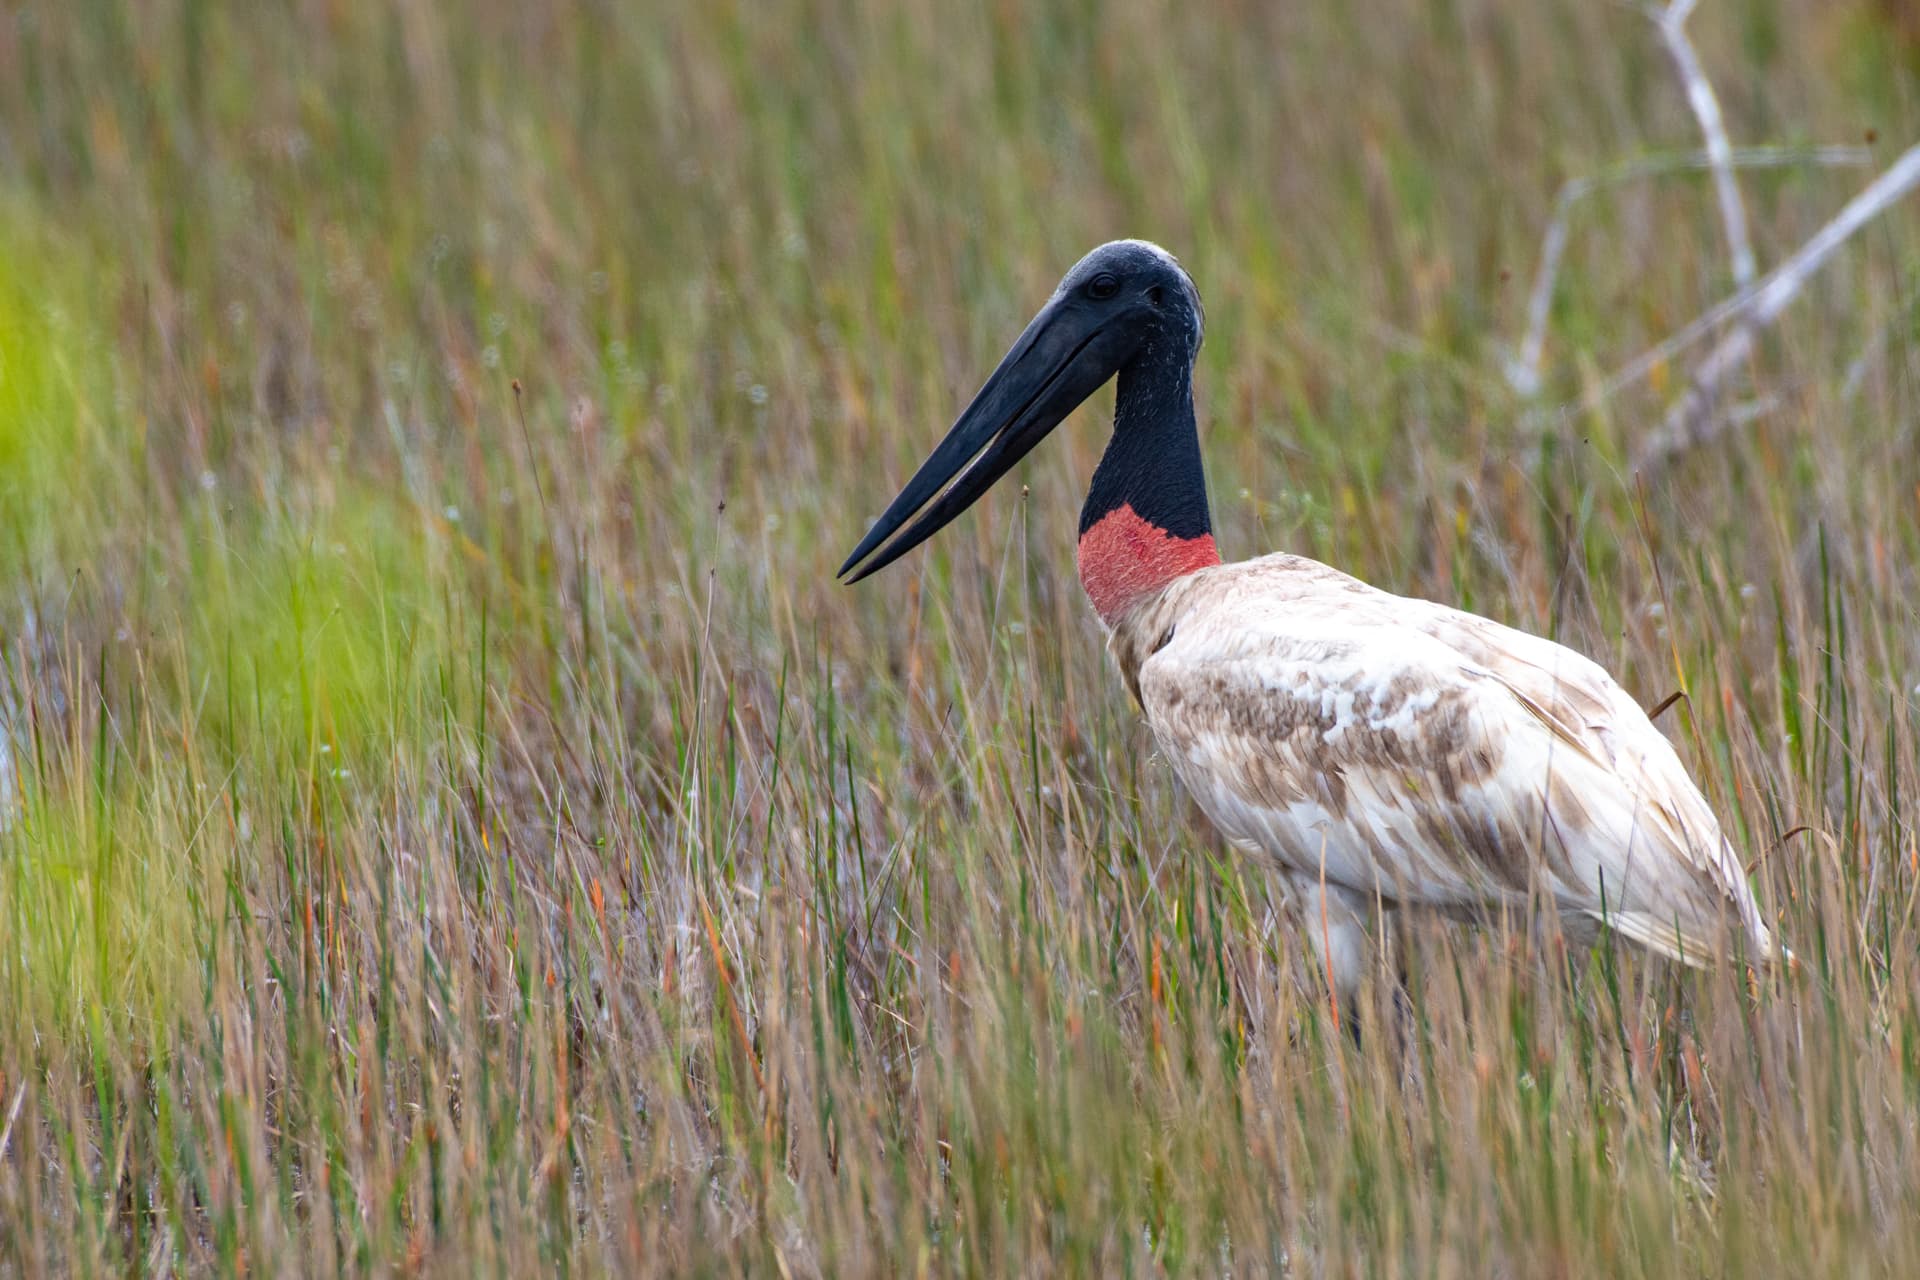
1378,749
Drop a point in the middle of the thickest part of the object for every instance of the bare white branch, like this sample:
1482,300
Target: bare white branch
1690,421
1523,369
1672,25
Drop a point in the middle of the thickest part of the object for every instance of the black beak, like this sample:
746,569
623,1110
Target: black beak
1062,358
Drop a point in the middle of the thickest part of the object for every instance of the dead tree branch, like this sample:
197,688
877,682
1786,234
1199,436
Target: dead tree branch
1671,22
1523,368
1691,422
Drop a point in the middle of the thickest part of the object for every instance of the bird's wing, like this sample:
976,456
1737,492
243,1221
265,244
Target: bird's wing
1403,748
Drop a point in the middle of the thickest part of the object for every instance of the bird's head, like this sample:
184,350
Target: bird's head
1125,301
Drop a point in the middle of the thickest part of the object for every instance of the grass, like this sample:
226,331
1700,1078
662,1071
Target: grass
453,822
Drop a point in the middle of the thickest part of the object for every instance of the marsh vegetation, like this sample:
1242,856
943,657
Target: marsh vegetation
452,821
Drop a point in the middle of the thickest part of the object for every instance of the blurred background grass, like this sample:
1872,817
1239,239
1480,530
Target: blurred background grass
452,819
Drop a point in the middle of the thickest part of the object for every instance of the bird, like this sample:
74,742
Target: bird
1377,751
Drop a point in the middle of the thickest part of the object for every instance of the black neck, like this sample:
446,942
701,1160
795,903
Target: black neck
1152,462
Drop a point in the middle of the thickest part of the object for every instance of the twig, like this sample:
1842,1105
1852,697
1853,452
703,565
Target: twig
533,459
13,1113
1523,370
1676,696
1672,25
1689,422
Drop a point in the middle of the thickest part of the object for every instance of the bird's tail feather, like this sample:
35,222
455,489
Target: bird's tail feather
1688,946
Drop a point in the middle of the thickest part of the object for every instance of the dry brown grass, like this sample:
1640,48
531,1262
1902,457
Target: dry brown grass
437,847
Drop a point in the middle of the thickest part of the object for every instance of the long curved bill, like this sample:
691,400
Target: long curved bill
1057,362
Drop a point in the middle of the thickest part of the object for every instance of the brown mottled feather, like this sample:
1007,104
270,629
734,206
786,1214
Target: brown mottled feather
1399,750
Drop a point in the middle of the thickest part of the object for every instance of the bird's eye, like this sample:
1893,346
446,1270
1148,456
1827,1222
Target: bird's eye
1156,295
1103,286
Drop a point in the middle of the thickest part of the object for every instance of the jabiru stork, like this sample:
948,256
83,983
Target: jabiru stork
1378,751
